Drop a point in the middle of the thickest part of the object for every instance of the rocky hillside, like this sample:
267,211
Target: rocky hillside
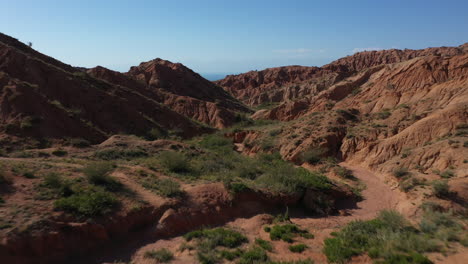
386,110
276,85
179,88
42,98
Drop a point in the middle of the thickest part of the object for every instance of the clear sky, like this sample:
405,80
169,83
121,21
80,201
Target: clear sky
217,36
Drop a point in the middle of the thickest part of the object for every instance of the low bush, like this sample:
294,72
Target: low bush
254,256
52,180
175,162
286,232
389,239
164,187
400,172
231,254
115,154
344,172
161,256
313,156
384,114
266,245
216,141
207,241
59,153
156,133
447,174
87,203
298,248
97,173
441,189
409,183
79,143
283,177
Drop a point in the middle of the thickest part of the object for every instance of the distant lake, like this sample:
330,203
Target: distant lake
214,76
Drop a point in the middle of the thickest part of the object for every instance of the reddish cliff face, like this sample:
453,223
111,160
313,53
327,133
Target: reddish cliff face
179,88
393,109
43,98
276,85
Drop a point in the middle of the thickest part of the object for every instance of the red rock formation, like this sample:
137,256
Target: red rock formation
293,82
179,88
41,97
391,102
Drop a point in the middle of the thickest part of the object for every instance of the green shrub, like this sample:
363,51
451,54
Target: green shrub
175,162
156,133
400,172
217,237
115,154
285,232
283,177
254,256
216,141
441,189
207,241
393,219
164,187
53,186
389,238
266,245
52,180
337,252
97,173
298,248
447,174
267,143
344,172
236,187
59,152
305,261
79,143
409,184
231,254
313,156
87,203
161,256
384,114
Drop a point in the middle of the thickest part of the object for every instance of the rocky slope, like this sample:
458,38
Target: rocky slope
276,85
393,109
42,98
179,88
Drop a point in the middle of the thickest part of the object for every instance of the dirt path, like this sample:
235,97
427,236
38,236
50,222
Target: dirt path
376,197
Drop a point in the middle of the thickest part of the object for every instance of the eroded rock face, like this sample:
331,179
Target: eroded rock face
205,205
43,98
179,88
395,108
290,83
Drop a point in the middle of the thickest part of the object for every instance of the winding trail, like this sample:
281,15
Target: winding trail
377,196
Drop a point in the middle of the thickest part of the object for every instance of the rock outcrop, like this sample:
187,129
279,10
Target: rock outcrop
388,109
42,98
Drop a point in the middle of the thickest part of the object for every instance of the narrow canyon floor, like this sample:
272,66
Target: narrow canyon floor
378,195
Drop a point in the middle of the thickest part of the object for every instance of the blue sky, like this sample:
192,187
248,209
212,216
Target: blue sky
229,36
